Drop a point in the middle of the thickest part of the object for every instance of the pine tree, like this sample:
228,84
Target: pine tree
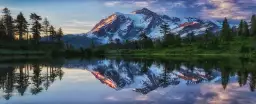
21,25
8,23
226,31
143,36
177,40
191,37
145,41
253,25
52,33
2,30
158,44
92,44
36,26
169,39
207,37
165,29
46,25
234,31
240,29
246,31
59,34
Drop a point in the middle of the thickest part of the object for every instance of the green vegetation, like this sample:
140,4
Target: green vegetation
239,41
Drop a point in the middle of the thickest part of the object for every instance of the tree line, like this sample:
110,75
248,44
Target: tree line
208,40
10,27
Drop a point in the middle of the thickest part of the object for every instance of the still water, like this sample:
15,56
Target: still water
125,81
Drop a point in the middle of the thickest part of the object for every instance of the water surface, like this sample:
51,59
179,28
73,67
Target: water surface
136,81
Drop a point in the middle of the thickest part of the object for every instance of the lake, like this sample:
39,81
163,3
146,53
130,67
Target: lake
129,81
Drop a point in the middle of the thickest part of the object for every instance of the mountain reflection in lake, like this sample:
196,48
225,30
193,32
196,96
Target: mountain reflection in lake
179,81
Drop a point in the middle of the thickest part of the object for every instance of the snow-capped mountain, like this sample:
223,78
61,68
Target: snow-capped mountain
129,26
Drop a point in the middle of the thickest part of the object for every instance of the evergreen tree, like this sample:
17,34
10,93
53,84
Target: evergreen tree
36,26
21,25
158,43
226,32
8,23
2,30
52,33
92,44
143,36
59,34
240,29
234,31
177,40
191,37
165,30
246,31
252,81
207,37
149,43
224,78
169,39
145,41
46,25
253,25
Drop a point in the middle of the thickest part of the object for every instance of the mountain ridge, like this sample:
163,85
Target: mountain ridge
129,26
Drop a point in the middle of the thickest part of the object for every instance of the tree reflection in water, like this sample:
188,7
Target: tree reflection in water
142,75
27,79
123,73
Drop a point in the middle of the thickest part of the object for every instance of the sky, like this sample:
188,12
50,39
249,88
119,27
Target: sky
80,16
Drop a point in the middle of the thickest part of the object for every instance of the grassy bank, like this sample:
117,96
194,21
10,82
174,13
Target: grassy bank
237,47
28,48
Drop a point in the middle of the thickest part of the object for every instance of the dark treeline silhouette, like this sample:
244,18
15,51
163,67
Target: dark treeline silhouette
10,27
27,79
221,40
20,33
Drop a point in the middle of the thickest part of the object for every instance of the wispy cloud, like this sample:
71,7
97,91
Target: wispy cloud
76,26
142,4
177,4
111,3
224,8
128,3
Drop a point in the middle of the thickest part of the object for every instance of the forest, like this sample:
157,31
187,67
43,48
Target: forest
21,36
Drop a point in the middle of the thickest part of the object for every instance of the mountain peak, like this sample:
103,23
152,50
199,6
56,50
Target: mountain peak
118,13
144,11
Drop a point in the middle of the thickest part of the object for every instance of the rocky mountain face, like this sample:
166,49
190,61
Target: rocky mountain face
129,26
